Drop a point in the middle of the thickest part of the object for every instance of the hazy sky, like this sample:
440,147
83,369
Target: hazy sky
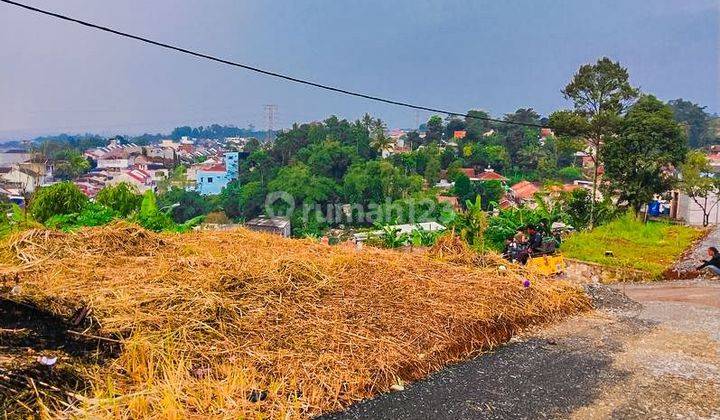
494,55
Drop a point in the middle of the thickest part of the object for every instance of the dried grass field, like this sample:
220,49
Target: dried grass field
240,324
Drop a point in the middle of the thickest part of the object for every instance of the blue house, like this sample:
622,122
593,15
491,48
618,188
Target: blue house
212,179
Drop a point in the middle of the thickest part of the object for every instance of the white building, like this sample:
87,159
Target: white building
691,213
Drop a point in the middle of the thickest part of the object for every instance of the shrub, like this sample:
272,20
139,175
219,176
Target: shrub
92,215
61,198
122,198
150,217
570,173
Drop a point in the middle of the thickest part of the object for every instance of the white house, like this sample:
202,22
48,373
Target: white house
22,179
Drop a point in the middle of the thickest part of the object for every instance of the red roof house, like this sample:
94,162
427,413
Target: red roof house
491,175
524,190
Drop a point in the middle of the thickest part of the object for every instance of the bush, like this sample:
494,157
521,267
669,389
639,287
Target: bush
570,173
122,198
92,215
577,205
217,217
184,205
150,217
61,198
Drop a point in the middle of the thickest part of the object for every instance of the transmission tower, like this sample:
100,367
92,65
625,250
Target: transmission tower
270,115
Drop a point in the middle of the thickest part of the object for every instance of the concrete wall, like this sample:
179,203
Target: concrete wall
211,182
692,214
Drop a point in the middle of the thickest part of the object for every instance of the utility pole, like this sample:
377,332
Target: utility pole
270,115
417,119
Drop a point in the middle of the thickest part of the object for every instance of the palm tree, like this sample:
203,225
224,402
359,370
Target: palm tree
380,141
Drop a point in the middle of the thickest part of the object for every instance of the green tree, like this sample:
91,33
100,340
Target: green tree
695,120
252,145
70,164
61,198
299,182
329,158
432,170
453,124
699,183
577,205
473,223
517,137
476,124
600,93
379,140
259,166
122,198
463,188
434,129
490,193
177,178
151,216
376,181
654,143
243,201
570,173
183,205
413,140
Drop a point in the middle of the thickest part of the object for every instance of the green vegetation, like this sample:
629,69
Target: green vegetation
61,198
650,247
653,142
123,198
600,92
63,206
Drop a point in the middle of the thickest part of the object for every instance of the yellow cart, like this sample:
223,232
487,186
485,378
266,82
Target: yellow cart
547,265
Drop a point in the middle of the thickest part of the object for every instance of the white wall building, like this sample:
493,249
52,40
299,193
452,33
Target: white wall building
690,212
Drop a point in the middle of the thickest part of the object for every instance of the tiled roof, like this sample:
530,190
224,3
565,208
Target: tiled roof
524,190
214,168
490,175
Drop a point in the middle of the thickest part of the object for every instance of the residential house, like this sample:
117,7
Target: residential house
523,192
546,132
169,144
444,184
401,229
21,178
139,178
490,175
212,178
714,161
92,182
167,155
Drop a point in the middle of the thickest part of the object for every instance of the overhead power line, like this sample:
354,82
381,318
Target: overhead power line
262,71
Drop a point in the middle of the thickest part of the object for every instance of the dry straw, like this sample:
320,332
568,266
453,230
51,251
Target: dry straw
243,324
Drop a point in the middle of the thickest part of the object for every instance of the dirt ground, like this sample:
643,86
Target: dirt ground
648,351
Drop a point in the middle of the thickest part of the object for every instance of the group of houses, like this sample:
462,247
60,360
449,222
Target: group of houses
209,166
522,193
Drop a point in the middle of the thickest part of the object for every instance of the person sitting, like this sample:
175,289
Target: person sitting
536,240
713,264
